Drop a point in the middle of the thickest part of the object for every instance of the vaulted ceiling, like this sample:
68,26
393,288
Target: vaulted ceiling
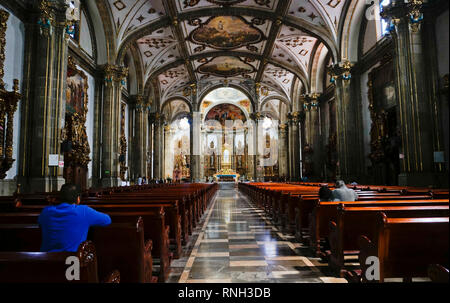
273,42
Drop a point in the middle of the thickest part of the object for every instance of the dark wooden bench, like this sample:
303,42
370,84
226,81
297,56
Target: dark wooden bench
406,246
438,273
41,267
325,212
119,246
353,222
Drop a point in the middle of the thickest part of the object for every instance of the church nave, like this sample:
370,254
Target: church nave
236,243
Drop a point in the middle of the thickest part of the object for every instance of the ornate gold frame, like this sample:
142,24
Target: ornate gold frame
8,105
75,130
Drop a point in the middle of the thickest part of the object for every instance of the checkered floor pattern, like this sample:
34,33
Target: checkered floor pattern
236,243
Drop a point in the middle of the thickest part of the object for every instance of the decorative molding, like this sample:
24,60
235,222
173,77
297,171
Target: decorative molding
8,105
123,143
74,136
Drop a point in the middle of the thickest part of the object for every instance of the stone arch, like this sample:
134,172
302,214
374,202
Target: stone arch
215,87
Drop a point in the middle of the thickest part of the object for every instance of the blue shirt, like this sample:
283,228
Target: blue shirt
65,226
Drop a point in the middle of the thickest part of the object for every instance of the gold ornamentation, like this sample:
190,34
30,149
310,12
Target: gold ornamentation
123,141
8,105
75,132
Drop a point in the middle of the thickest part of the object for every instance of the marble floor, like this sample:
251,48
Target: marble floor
235,243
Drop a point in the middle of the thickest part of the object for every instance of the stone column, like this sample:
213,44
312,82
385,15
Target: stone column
196,141
165,150
283,150
149,150
348,123
294,133
140,135
44,98
256,160
314,134
158,122
421,136
114,81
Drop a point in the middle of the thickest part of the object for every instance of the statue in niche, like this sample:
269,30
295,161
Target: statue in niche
267,151
240,149
212,149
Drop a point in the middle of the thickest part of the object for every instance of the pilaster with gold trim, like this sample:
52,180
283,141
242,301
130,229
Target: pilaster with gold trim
43,107
417,118
114,80
294,133
348,122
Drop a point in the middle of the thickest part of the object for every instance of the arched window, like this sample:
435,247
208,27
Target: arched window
384,24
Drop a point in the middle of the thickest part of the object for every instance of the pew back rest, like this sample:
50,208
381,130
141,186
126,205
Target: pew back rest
353,222
41,267
121,246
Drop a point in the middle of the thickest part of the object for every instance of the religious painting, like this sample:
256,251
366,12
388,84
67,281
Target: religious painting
224,112
226,33
76,146
76,93
226,66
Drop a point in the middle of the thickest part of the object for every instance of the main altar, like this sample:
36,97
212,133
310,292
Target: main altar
226,175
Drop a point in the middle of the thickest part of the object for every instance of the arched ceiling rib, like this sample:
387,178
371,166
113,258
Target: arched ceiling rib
185,41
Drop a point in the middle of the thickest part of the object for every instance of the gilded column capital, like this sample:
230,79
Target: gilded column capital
190,90
408,12
341,70
312,102
283,128
115,73
296,117
157,118
256,116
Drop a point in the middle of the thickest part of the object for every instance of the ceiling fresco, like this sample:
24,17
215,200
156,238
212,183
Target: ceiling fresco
223,33
226,66
186,5
226,33
180,42
226,112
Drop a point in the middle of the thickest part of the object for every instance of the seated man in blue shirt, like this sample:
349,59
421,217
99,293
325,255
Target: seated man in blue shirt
65,226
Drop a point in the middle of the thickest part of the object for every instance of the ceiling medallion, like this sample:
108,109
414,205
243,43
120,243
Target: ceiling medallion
225,33
226,66
192,3
225,2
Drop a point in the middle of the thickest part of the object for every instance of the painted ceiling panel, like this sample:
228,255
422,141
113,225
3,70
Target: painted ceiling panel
324,13
294,48
225,33
173,80
187,5
158,49
199,40
279,78
130,15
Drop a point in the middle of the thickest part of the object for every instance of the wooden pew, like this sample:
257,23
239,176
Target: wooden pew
155,217
406,246
176,212
438,273
325,212
40,267
353,222
119,246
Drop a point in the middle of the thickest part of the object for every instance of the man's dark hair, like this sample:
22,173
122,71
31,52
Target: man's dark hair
69,193
325,193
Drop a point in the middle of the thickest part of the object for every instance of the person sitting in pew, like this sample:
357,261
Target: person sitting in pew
65,226
343,193
325,194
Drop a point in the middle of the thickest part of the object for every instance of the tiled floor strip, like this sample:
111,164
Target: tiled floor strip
238,244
